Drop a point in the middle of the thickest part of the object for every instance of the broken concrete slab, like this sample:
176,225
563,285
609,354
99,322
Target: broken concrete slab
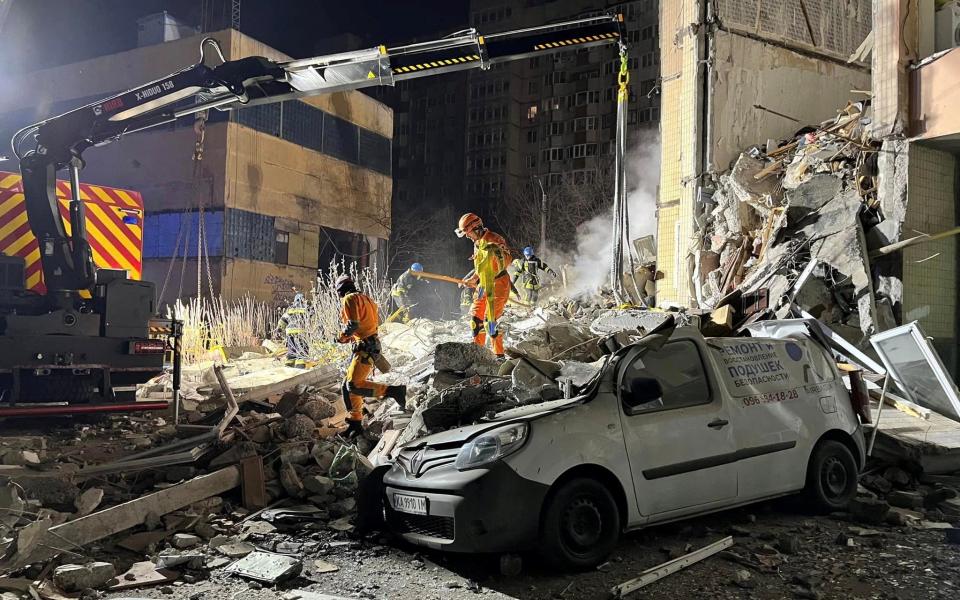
75,578
142,574
183,541
318,484
300,427
614,321
88,501
812,195
266,567
459,357
235,549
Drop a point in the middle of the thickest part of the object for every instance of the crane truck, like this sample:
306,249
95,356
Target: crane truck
86,339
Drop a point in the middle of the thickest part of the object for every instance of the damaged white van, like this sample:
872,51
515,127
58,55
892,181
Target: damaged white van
673,426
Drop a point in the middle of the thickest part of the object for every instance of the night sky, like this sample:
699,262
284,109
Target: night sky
44,33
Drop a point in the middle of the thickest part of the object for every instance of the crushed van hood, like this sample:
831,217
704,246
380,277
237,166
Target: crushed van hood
459,435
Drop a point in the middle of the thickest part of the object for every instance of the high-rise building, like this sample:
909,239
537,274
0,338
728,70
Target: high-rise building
482,139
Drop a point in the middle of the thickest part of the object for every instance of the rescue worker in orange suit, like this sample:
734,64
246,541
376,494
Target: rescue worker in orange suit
491,257
360,324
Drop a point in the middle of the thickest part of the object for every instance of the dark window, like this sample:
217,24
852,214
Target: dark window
374,151
678,369
340,138
302,124
281,248
264,118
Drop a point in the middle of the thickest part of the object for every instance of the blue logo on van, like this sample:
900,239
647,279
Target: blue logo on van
794,351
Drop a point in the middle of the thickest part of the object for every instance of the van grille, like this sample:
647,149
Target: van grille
428,525
430,459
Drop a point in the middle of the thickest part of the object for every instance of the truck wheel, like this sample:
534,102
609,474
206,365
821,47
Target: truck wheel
581,525
831,476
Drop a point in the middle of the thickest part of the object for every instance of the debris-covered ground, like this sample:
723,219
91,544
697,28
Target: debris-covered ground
256,493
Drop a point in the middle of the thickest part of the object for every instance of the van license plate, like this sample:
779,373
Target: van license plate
415,505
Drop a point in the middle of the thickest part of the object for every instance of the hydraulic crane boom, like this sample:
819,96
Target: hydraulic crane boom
60,141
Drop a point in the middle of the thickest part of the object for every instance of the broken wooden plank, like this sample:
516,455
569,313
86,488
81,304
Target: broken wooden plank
52,541
671,566
232,407
253,486
253,386
142,574
153,462
769,169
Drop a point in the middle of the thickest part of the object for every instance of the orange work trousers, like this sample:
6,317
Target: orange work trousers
501,293
356,387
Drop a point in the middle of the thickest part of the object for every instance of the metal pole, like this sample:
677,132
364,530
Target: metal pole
77,213
177,330
543,214
876,426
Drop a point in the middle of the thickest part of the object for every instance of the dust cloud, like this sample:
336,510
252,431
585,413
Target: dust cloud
588,267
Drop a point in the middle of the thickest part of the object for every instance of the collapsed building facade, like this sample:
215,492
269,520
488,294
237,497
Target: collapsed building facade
810,134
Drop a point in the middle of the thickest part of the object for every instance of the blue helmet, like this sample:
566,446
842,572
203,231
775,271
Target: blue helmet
528,251
416,268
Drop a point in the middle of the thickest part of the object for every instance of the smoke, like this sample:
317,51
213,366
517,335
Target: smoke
589,265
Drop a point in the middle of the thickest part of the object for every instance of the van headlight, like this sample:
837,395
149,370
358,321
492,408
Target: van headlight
492,446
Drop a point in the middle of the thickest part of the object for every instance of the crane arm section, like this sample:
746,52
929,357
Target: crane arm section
234,84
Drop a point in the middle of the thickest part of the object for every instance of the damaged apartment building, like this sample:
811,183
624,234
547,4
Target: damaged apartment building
282,188
809,160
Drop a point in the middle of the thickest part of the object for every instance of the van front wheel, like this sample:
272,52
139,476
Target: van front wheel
581,525
831,476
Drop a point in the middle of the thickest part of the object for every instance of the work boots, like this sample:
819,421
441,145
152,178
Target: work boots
398,393
354,429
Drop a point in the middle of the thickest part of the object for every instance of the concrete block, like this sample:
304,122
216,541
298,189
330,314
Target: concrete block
74,578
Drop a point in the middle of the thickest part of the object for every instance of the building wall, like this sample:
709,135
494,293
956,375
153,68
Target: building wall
265,282
930,270
275,177
935,96
749,72
895,39
679,143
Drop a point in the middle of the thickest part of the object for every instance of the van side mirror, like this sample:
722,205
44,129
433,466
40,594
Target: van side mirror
642,393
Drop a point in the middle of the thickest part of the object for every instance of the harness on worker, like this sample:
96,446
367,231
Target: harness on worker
529,272
621,216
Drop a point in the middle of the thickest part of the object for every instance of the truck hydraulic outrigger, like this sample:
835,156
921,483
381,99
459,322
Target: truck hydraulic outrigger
99,314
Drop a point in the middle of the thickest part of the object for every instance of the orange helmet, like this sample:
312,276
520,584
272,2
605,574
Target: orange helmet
468,223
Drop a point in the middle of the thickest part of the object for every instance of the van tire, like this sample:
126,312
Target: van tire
831,477
581,525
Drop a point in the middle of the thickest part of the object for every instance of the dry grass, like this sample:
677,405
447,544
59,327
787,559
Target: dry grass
209,323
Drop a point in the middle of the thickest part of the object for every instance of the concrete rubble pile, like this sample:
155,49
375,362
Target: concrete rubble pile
552,352
257,466
791,227
255,470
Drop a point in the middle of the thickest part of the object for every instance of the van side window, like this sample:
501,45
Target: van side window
678,368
